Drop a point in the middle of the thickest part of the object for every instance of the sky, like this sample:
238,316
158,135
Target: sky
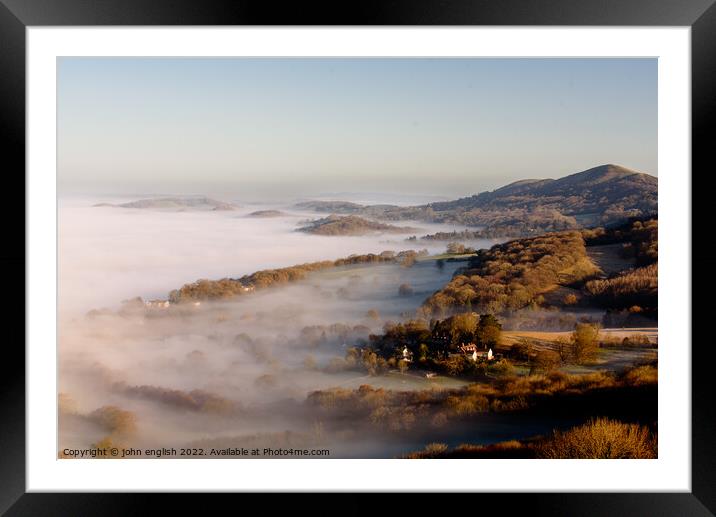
288,128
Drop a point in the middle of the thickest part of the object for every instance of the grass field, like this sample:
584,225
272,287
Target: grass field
615,359
510,337
609,259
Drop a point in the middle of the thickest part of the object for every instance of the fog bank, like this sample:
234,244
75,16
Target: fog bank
110,254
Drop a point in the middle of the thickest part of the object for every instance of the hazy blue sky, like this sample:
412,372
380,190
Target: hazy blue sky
292,127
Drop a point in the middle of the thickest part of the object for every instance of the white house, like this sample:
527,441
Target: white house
157,304
467,348
407,356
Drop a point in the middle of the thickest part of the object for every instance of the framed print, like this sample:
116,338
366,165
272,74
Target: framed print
413,249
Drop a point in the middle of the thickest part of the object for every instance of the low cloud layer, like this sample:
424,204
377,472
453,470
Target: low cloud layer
177,375
109,254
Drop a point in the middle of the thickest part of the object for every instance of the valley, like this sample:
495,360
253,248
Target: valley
347,336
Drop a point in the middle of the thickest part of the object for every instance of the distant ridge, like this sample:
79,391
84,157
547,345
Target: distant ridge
601,195
175,203
615,180
267,213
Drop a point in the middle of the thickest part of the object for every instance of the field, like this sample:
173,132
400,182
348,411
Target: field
609,259
509,337
614,358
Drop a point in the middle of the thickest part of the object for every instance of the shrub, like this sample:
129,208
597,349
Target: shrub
107,443
547,360
405,290
114,419
641,375
570,299
601,438
435,448
309,363
522,350
508,449
439,419
502,367
633,289
431,450
373,314
468,405
637,340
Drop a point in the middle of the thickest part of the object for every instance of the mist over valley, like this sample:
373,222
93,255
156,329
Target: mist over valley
369,329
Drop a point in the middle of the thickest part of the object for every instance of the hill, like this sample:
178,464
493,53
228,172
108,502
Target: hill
333,207
351,225
602,195
175,203
267,213
514,275
593,196
560,269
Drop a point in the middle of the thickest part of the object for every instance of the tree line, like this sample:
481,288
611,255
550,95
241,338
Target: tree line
227,288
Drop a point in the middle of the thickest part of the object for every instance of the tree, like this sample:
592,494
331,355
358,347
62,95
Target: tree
373,363
370,361
352,357
455,330
570,299
405,290
114,419
423,352
455,248
309,363
488,331
564,349
584,341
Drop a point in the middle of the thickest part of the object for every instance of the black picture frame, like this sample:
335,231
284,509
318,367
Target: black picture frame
17,15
